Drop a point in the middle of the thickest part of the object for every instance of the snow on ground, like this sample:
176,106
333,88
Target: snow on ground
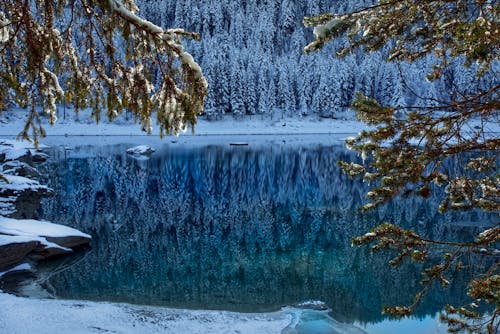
47,316
12,123
23,315
81,130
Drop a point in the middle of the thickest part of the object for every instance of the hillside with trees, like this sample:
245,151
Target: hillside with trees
252,55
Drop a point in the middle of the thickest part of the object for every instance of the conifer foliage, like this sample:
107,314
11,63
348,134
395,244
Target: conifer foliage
99,55
415,149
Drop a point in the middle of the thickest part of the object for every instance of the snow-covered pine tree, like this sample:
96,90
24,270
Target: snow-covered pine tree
237,88
250,88
54,51
286,98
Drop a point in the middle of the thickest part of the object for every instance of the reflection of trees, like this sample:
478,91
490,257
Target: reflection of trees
232,229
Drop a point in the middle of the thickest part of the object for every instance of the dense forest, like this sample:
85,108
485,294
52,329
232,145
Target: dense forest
251,53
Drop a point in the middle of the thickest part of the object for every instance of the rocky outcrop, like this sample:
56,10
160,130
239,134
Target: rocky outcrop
19,168
21,237
14,253
141,150
25,195
11,150
69,241
44,252
36,240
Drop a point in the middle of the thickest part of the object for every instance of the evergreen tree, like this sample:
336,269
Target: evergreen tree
100,55
250,88
267,102
305,86
285,99
414,149
237,89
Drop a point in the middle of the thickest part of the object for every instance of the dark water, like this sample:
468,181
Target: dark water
241,229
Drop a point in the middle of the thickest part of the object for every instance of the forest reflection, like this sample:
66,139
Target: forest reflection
236,228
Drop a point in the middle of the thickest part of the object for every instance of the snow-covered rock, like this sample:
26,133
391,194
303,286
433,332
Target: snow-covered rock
21,151
312,305
30,227
35,239
23,267
141,150
20,168
20,196
14,249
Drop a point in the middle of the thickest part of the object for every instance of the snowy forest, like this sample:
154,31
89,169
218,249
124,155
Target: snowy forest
251,53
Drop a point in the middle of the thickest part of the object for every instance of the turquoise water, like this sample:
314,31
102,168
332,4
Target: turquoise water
236,228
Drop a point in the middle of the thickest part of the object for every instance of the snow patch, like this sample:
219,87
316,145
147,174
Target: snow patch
7,205
14,239
36,228
20,267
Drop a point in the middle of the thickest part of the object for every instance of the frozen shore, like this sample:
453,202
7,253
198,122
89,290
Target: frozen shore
48,316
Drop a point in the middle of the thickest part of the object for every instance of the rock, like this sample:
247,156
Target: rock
69,241
25,195
12,279
38,157
141,150
11,150
16,252
52,240
44,252
312,305
19,168
19,269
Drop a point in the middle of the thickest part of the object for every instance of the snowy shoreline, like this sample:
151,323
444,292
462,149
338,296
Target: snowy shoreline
48,316
13,121
71,316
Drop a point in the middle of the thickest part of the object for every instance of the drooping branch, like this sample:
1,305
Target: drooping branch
105,58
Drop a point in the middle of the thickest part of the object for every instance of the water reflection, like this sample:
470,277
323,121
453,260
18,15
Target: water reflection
238,229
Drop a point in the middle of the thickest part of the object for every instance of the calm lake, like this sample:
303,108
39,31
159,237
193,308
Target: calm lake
248,228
